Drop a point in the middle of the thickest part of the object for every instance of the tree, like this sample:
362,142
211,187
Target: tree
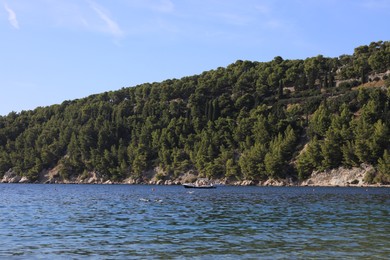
279,153
309,159
362,133
232,169
319,122
384,168
349,157
331,150
252,162
260,130
311,71
379,61
139,165
379,140
5,163
230,122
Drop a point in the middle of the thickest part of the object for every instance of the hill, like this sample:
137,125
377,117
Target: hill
250,121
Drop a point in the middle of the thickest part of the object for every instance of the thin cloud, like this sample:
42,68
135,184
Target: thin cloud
11,16
264,9
274,24
112,27
376,4
165,6
269,19
160,6
235,19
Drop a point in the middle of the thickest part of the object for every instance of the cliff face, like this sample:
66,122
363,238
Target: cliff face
340,177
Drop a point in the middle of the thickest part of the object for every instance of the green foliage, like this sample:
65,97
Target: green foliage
245,121
251,162
310,159
280,151
331,150
349,157
320,122
383,169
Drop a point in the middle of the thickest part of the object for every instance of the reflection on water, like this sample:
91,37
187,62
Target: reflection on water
122,221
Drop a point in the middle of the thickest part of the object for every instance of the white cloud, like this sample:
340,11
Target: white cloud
111,26
11,16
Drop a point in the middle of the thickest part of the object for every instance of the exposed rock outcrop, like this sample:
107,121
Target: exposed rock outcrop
339,177
10,177
283,182
24,179
243,183
335,177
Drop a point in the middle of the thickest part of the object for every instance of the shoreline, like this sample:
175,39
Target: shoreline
340,177
217,185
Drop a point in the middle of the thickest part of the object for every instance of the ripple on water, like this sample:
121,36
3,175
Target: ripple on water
121,221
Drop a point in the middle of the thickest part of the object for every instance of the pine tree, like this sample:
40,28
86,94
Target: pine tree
349,157
274,160
319,122
331,150
252,162
379,140
384,168
310,159
362,133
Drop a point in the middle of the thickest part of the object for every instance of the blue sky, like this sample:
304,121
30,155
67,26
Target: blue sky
56,50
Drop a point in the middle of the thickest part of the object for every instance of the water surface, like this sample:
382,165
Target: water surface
165,222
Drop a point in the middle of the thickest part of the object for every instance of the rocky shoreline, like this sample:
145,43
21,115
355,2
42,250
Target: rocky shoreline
342,177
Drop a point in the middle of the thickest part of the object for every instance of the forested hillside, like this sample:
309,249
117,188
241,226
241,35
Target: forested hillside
248,121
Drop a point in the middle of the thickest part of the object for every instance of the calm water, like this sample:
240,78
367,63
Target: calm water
125,222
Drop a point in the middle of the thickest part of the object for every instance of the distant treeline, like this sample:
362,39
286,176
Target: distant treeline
250,120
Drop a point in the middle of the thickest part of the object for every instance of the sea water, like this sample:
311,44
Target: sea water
170,222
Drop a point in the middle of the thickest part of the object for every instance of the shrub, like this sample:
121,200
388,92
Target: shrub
354,182
369,177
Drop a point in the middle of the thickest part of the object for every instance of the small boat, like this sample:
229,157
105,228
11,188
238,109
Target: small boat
195,186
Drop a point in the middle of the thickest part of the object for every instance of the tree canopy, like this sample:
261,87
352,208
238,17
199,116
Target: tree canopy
250,120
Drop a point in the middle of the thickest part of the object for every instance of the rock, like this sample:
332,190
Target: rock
247,183
91,180
168,182
279,183
339,177
24,179
130,181
50,175
11,177
15,179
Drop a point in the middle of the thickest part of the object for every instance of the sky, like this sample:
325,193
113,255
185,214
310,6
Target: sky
57,50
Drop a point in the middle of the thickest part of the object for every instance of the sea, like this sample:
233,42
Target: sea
77,221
